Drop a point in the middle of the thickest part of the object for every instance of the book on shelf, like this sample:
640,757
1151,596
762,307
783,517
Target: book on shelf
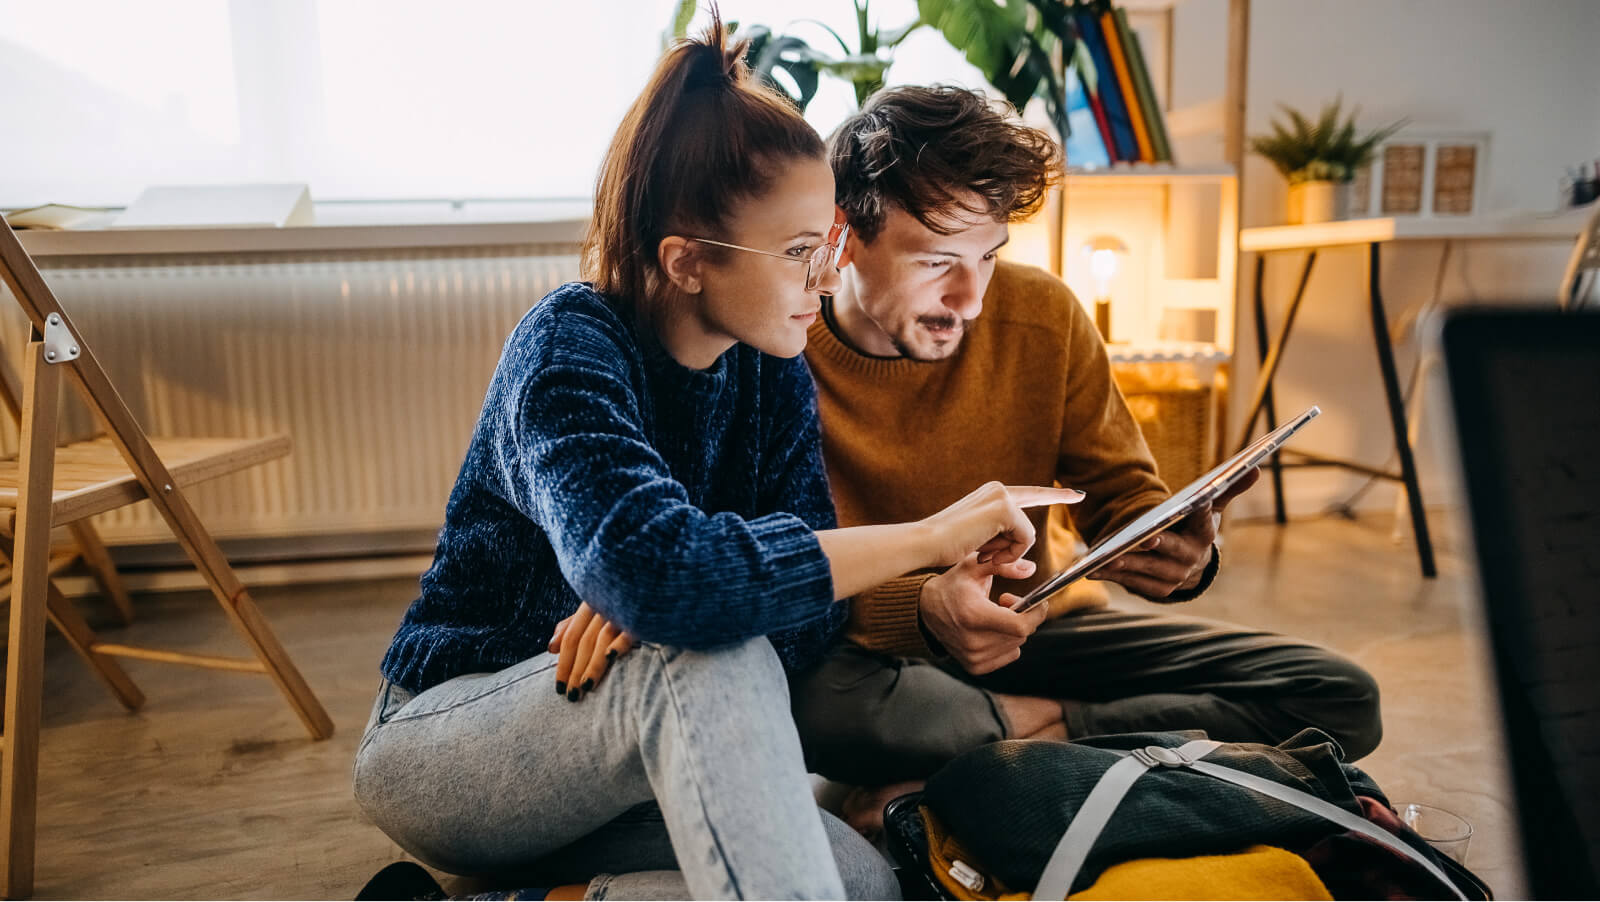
1124,147
1120,93
1155,123
1086,148
1130,97
1101,123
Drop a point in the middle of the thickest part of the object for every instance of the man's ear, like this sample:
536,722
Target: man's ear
681,262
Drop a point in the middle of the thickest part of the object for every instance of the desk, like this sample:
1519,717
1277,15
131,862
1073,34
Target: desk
1373,233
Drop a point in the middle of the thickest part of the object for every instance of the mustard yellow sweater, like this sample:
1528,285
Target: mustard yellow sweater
1028,399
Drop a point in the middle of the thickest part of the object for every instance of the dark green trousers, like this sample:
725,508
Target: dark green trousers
869,719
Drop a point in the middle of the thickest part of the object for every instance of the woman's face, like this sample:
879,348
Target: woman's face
759,300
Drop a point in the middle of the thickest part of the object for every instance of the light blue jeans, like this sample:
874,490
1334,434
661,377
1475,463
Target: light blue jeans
496,774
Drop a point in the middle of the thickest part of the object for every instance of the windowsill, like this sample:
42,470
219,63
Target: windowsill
342,226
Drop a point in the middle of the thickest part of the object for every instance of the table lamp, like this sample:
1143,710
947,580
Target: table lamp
1103,251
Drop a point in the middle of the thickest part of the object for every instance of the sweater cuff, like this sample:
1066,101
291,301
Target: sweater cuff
888,620
1207,577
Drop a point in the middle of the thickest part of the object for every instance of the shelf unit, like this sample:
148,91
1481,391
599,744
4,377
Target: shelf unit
1181,263
1180,227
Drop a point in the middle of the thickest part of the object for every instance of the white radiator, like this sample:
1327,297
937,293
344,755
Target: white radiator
375,363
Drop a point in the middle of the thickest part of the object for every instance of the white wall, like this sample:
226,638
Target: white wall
1527,73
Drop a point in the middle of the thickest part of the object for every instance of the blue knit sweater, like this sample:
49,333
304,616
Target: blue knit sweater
681,504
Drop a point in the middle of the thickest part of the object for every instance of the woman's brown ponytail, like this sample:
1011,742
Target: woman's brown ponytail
702,135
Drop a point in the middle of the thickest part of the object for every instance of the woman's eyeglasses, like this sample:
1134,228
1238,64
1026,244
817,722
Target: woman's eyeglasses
817,262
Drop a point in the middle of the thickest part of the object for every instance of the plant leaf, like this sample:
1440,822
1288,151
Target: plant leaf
789,55
988,34
1326,149
888,40
681,17
843,47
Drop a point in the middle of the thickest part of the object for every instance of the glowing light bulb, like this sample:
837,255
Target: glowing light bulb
1103,266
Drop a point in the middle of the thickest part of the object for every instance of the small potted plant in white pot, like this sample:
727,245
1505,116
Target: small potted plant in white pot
1319,159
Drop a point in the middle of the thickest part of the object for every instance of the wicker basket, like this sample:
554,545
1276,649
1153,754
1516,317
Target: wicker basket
1174,409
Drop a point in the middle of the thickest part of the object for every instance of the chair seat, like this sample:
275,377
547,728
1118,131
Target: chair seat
91,477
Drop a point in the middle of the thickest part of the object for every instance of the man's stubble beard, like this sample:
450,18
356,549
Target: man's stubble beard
945,350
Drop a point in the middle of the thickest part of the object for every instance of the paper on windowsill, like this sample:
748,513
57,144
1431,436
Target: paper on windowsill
59,217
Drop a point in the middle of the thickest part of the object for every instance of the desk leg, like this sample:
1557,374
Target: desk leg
1268,404
1263,399
1397,413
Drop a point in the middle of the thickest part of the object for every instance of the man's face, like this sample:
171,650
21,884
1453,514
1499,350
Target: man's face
920,288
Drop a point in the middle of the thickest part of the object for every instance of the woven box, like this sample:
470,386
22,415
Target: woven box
1175,410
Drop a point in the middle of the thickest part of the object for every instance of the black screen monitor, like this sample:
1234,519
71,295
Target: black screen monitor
1525,390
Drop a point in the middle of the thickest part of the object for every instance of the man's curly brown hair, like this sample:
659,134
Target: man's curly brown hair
929,150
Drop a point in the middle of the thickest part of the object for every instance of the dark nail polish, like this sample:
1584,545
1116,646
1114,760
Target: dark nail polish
561,688
587,685
611,655
572,695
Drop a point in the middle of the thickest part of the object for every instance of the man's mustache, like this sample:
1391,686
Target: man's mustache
940,323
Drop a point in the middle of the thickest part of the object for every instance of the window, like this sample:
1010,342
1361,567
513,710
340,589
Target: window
362,99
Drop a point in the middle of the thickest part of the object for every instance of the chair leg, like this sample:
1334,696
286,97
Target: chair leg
19,771
253,627
82,639
246,617
101,567
237,604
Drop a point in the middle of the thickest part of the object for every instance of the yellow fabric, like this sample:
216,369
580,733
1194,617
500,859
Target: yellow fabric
1259,872
944,850
1028,400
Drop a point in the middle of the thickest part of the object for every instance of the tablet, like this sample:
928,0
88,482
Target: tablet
1195,495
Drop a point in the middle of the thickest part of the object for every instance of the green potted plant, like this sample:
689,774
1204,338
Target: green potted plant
1319,158
772,54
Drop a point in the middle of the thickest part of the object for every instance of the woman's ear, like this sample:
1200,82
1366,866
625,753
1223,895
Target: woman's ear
681,262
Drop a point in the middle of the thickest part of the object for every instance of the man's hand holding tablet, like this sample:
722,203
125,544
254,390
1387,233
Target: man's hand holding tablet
1175,560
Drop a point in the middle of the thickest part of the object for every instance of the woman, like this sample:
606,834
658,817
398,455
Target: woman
648,449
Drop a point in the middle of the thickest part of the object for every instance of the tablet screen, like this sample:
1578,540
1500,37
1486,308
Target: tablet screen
1191,497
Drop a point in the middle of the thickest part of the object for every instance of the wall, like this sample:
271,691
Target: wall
1517,71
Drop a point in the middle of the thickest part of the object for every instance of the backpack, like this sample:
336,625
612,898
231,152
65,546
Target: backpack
1042,819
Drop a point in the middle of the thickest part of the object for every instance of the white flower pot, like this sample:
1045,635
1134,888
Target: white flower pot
1322,201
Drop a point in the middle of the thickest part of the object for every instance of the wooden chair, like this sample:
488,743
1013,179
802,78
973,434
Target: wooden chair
87,545
45,487
1578,282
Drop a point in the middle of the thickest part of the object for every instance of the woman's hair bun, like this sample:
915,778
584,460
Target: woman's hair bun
713,62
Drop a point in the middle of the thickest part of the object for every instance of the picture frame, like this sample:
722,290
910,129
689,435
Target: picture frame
1423,174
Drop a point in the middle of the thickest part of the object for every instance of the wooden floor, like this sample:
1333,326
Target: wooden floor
214,791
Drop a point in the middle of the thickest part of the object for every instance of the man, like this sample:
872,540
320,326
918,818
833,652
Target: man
939,368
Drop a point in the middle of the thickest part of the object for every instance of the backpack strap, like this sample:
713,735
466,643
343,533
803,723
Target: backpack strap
1073,850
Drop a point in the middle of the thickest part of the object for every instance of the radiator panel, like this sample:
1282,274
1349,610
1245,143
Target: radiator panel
375,363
